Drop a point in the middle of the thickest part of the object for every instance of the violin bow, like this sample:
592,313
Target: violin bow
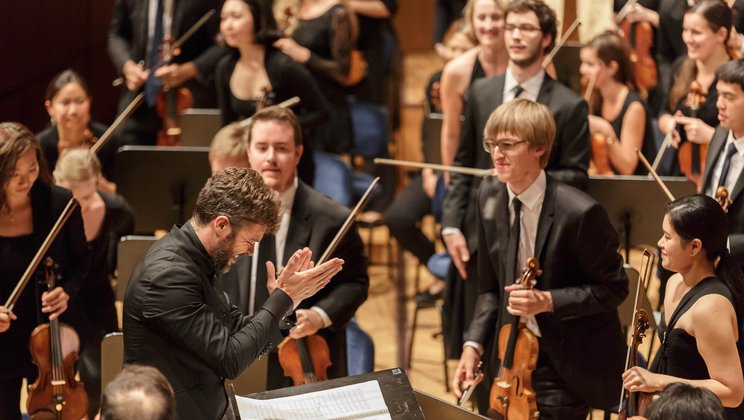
67,211
654,175
560,43
664,145
284,104
624,11
590,87
469,390
646,266
444,168
347,224
177,43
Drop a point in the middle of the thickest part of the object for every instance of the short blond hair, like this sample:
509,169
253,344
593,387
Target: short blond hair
77,165
530,121
229,143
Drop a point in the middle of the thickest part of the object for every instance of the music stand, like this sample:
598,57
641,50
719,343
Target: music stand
199,125
437,408
161,183
636,205
432,140
567,61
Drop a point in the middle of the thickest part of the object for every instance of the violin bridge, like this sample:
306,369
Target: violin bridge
58,383
503,384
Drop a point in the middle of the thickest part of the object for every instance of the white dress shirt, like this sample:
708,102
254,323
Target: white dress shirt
531,86
737,165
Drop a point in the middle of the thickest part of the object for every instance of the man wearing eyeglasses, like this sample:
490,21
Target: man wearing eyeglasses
523,213
529,33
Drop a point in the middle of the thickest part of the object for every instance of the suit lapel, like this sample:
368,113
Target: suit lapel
497,95
543,96
298,234
546,218
502,227
716,146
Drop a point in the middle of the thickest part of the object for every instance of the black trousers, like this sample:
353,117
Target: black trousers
403,218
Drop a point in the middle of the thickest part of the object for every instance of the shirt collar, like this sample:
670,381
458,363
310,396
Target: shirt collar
738,142
286,198
533,195
531,86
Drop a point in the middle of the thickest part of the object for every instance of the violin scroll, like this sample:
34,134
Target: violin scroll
723,198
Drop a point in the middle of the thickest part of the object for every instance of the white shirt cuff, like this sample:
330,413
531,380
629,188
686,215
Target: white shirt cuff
474,344
451,231
326,319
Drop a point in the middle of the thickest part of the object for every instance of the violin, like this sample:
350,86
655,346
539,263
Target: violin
600,163
54,350
305,360
691,155
171,103
512,396
637,402
640,36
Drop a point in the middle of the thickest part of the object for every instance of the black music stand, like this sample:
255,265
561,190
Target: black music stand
199,125
437,408
636,205
567,61
161,183
432,132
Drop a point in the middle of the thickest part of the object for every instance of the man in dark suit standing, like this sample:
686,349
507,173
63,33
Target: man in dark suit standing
177,319
725,161
529,33
136,34
309,219
527,213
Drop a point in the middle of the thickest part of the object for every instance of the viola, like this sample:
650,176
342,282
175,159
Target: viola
691,155
640,36
54,350
305,360
512,396
637,402
171,103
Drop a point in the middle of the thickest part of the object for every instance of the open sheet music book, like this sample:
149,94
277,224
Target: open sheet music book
358,401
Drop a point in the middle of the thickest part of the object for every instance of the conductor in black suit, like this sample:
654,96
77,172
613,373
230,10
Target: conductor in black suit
526,213
178,320
309,219
135,40
725,161
529,33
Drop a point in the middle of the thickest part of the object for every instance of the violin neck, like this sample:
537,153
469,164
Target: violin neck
511,344
305,359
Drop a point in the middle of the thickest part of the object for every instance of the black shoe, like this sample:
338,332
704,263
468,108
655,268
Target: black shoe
427,299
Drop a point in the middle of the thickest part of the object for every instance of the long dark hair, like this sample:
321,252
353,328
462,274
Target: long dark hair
611,47
701,217
63,79
16,139
264,25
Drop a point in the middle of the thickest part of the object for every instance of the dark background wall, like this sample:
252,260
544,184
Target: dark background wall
40,38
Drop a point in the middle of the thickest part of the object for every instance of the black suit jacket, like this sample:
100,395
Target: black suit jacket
178,321
569,158
736,209
314,222
127,40
577,249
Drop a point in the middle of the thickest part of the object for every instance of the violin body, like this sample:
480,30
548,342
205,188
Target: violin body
47,398
305,360
640,36
512,396
170,105
689,153
600,163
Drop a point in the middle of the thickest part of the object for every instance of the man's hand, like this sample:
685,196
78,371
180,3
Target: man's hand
528,302
300,279
54,302
696,130
308,323
457,247
465,372
134,75
174,75
296,51
5,318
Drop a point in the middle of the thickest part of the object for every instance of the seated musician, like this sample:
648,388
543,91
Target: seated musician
574,312
703,307
309,219
619,121
176,317
227,149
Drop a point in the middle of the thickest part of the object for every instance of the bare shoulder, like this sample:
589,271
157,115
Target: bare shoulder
460,68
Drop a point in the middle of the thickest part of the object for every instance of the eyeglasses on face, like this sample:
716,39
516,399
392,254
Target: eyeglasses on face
506,146
524,29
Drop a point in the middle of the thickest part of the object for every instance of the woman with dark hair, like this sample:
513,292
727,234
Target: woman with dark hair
68,100
706,30
106,218
703,307
617,112
257,74
29,207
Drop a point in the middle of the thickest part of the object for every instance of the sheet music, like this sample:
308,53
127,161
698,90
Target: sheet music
358,401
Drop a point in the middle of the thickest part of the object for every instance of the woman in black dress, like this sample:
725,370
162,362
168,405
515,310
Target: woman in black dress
703,307
256,74
29,207
106,218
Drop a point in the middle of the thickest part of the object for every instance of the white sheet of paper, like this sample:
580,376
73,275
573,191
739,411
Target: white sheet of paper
357,401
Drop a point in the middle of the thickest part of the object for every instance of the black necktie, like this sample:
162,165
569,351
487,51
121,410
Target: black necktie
154,84
730,152
266,252
517,91
513,251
